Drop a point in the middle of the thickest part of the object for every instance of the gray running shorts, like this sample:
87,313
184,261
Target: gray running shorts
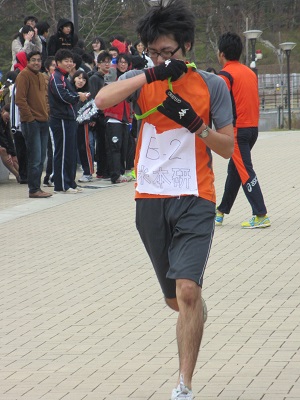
177,234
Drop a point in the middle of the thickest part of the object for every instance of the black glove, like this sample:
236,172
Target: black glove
180,111
169,69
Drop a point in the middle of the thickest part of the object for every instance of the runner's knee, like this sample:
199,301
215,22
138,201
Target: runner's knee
187,291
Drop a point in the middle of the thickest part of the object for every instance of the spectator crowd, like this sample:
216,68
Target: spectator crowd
48,115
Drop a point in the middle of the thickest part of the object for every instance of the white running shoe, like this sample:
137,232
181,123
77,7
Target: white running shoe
71,191
85,178
182,392
123,179
48,184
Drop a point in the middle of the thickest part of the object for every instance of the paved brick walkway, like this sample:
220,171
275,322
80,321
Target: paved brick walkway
82,316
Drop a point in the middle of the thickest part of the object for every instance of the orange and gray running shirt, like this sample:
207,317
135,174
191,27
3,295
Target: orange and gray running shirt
243,86
171,161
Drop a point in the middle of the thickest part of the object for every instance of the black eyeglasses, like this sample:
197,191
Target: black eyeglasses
165,54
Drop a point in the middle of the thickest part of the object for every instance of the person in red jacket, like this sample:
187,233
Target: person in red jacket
119,42
243,86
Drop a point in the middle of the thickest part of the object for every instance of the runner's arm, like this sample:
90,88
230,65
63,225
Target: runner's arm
118,91
221,141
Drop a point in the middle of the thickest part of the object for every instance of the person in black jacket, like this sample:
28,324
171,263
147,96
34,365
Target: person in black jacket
63,101
43,32
15,122
50,66
7,148
64,38
97,81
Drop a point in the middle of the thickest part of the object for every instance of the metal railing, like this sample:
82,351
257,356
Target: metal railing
272,99
273,91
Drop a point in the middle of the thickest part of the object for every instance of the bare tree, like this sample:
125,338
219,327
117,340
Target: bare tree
51,10
95,15
92,14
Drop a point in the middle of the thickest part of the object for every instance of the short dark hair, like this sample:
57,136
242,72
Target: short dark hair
42,27
81,44
103,55
33,53
174,18
77,59
114,49
30,18
231,45
78,50
48,62
120,37
125,56
211,70
62,54
87,58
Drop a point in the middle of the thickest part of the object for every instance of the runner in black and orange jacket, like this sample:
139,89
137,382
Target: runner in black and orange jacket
243,86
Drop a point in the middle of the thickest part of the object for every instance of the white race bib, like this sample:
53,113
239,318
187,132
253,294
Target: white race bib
167,162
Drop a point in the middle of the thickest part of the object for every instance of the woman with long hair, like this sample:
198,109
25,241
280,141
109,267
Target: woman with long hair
140,48
26,40
98,45
85,137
